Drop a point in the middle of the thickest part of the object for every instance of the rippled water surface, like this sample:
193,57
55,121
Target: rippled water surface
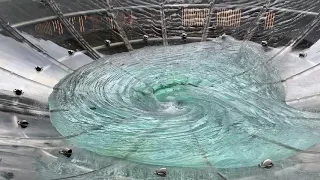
182,106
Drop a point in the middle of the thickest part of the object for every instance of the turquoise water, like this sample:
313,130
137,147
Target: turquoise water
182,106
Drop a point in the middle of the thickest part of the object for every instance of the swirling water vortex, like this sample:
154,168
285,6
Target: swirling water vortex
182,106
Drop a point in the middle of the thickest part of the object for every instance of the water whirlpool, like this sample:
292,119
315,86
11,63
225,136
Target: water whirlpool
183,106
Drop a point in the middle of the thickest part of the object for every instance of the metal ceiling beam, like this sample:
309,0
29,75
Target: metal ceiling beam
207,24
254,25
163,25
122,34
54,7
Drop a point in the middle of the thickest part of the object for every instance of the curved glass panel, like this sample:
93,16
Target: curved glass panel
117,89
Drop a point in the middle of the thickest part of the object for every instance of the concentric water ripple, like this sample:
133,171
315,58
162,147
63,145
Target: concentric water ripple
181,106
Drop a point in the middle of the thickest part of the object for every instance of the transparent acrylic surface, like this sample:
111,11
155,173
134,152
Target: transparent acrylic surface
158,96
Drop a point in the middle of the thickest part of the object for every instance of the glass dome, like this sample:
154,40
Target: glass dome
120,89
